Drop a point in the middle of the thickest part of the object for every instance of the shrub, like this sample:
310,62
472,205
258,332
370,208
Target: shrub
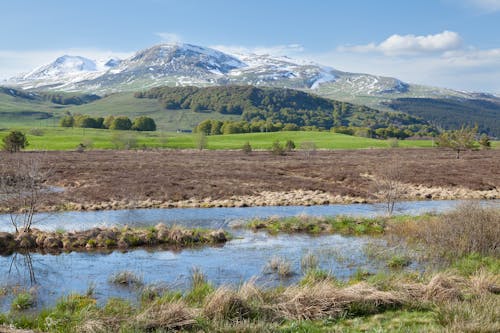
277,149
67,121
144,123
201,141
289,145
14,141
308,147
247,148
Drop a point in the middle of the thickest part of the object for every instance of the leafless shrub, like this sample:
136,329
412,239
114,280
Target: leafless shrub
388,185
308,148
21,185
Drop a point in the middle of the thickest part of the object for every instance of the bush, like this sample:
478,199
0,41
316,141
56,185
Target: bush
277,149
144,124
201,141
121,123
14,141
289,145
247,148
67,121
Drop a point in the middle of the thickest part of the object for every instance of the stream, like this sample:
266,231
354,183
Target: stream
51,276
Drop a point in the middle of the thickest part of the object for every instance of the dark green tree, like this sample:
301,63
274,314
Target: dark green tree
14,141
67,121
144,123
121,123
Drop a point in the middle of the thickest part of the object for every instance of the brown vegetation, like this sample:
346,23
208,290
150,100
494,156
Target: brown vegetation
471,228
108,238
119,179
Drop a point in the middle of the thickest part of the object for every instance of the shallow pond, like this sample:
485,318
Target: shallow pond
242,258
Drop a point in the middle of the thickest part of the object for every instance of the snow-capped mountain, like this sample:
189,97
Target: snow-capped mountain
186,64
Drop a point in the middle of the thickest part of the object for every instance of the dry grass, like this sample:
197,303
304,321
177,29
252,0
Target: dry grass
226,304
280,266
479,314
325,300
166,316
470,228
308,262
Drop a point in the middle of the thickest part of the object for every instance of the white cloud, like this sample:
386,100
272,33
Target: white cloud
484,5
410,44
16,62
275,50
169,37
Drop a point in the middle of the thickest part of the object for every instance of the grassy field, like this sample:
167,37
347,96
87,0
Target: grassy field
57,138
19,112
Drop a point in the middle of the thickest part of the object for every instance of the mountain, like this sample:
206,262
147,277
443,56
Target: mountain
191,65
186,64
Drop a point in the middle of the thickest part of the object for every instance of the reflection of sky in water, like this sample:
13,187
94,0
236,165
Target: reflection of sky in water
214,217
234,263
237,261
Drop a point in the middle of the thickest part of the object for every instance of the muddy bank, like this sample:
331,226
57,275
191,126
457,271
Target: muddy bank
107,238
98,180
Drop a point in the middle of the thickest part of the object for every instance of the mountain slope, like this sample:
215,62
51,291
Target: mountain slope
279,105
453,113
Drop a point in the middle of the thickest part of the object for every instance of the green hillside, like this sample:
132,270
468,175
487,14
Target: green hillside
278,105
453,113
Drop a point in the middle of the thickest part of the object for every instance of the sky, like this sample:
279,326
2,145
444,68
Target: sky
446,43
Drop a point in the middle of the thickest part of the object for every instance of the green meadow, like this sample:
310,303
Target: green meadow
57,138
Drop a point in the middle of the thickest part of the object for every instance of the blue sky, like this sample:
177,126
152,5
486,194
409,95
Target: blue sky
450,43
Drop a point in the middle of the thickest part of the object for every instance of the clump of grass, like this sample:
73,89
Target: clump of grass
226,304
477,314
200,288
398,262
313,276
22,301
280,266
163,316
126,278
308,262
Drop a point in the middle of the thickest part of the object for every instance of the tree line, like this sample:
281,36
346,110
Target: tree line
124,123
218,127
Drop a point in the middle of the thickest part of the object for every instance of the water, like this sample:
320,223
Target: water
214,217
239,260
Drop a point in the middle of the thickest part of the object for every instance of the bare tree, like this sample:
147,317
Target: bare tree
308,148
21,184
388,185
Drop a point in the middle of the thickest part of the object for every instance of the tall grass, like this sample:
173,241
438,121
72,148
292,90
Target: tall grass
470,228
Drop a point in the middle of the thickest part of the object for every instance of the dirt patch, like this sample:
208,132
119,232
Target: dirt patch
187,178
